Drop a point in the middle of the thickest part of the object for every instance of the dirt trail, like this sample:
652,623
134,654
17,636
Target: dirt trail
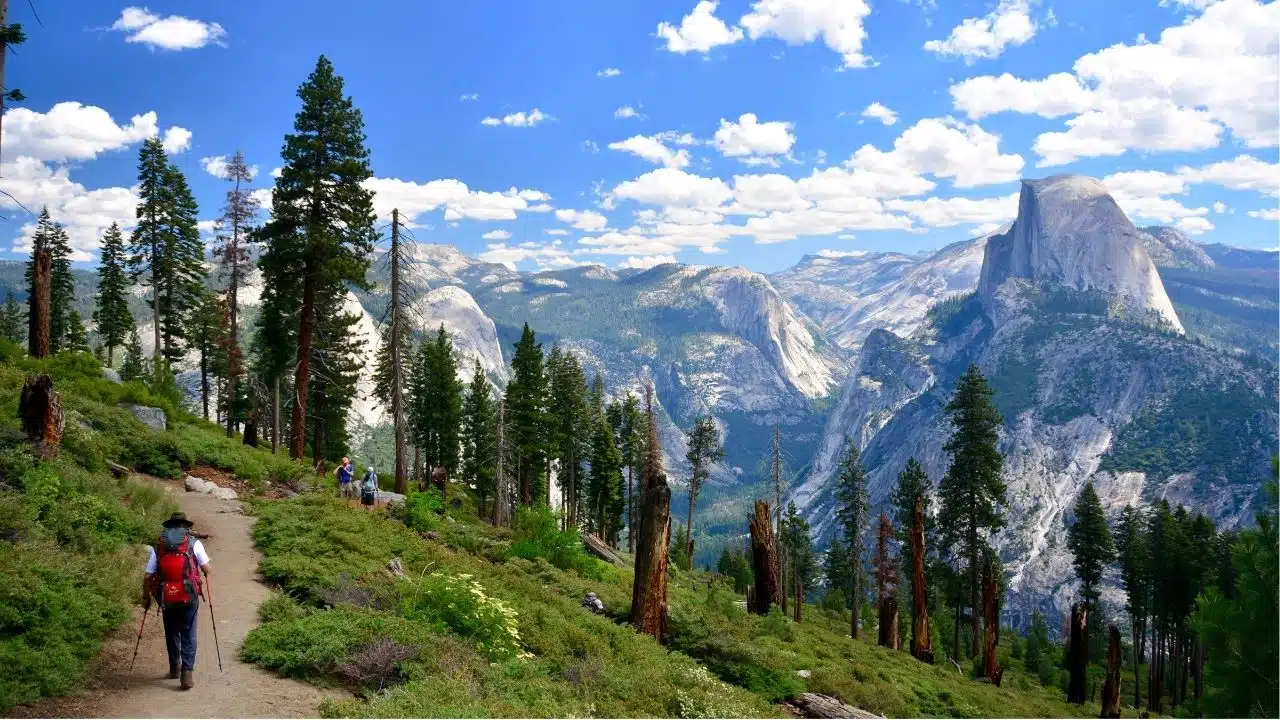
241,690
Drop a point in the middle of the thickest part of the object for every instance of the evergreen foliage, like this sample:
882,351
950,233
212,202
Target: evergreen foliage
338,353
734,564
112,315
77,338
526,403
204,331
1089,540
51,237
182,284
572,425
435,403
912,483
605,501
11,320
479,431
797,538
233,240
321,231
972,493
853,513
704,451
134,367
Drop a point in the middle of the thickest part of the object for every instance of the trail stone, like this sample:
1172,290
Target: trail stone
152,417
195,484
223,493
111,375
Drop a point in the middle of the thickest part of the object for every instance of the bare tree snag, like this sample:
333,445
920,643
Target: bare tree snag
991,618
502,488
40,408
798,600
649,590
888,635
38,340
601,549
764,558
1076,653
1111,687
921,642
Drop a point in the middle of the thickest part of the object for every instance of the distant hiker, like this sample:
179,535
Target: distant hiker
592,603
173,578
346,473
369,488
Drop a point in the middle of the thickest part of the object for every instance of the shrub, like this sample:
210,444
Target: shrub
422,508
538,535
459,604
378,663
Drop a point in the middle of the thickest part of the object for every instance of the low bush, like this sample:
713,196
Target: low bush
422,509
538,535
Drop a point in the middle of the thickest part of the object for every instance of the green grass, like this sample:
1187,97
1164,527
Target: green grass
70,532
337,604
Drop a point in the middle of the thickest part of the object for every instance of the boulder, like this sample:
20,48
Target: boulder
223,493
389,497
111,375
195,484
806,674
593,603
152,417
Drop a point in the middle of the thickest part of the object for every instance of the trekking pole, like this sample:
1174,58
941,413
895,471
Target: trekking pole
145,610
208,595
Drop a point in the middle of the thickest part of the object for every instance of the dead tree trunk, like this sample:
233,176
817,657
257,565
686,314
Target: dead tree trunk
991,618
798,600
888,635
1111,687
502,487
764,558
1077,650
921,642
649,589
38,329
40,408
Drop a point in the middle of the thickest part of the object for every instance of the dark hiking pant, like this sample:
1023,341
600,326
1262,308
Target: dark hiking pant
180,635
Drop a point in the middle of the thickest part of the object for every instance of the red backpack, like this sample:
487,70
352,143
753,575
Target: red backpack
177,577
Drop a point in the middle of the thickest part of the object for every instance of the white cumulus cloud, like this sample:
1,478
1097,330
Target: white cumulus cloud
987,37
216,166
748,137
517,119
699,31
167,33
610,72
876,111
653,150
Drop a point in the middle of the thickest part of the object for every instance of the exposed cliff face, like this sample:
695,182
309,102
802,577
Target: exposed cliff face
473,333
1069,231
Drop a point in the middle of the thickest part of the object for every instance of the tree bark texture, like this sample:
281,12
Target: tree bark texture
649,591
921,640
306,332
1077,651
1111,687
764,558
991,618
813,705
40,408
38,329
888,633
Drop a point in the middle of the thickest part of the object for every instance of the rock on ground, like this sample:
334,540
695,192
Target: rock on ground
152,417
195,484
111,375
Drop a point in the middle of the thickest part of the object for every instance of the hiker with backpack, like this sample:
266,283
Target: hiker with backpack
173,579
369,489
346,474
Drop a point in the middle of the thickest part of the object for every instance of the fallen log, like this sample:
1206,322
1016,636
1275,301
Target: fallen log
601,549
117,469
814,705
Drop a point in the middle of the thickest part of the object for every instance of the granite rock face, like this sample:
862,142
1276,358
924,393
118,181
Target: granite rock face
152,417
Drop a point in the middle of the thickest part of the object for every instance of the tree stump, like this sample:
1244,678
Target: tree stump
38,327
40,408
1111,686
1077,653
649,592
888,622
764,558
921,642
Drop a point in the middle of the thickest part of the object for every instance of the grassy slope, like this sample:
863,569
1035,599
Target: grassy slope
70,533
582,664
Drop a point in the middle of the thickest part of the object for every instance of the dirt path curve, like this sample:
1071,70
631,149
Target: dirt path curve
241,690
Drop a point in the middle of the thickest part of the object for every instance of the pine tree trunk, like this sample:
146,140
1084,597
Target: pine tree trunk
306,329
798,600
38,333
317,447
955,642
1111,687
275,415
631,514
204,382
156,257
502,489
921,641
1076,689
764,559
649,591
688,529
1137,661
887,621
855,594
975,597
991,619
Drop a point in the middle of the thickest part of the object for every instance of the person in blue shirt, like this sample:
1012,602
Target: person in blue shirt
346,488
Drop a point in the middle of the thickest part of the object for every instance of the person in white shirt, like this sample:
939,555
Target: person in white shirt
173,578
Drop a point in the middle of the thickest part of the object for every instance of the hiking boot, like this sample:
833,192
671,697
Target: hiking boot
186,681
173,672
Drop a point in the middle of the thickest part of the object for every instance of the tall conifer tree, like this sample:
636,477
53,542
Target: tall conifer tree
50,236
322,226
853,514
231,249
972,492
112,315
526,403
605,481
479,439
11,319
182,285
705,450
149,245
571,425
1092,549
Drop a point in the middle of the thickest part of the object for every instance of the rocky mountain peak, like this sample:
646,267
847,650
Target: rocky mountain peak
1070,231
1170,247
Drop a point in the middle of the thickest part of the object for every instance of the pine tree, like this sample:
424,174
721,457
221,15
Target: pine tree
853,513
182,284
705,450
274,345
884,565
734,564
798,540
526,402
972,492
231,249
76,339
336,360
321,231
204,331
134,367
604,482
435,404
1089,540
112,314
629,425
149,245
479,438
912,493
11,319
571,427
50,237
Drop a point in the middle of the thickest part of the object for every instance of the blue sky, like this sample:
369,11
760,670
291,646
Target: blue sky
748,140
